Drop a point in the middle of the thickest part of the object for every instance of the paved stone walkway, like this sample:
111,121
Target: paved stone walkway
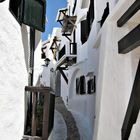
72,130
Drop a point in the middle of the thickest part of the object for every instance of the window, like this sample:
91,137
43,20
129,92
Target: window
77,85
105,14
91,85
73,48
80,85
90,15
87,24
84,31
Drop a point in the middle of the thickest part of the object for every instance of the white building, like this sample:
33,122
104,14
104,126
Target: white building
14,68
100,78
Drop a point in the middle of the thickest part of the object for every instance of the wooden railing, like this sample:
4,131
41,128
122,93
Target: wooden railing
40,102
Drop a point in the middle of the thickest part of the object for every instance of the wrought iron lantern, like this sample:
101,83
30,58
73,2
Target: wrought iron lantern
47,62
55,45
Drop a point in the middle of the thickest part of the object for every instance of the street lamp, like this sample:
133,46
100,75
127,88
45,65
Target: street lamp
47,62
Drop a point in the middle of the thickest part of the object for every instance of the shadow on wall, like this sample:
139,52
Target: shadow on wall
37,38
26,47
26,42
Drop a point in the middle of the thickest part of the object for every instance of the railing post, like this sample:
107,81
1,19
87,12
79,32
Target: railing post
34,127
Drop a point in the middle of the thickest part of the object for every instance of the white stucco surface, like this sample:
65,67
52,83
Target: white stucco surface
105,109
13,75
83,126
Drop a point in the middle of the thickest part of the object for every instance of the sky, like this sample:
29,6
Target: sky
51,13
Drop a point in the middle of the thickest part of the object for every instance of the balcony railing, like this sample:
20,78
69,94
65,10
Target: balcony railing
67,55
68,50
39,113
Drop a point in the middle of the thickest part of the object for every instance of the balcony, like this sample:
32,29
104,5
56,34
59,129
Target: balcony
67,22
39,113
67,55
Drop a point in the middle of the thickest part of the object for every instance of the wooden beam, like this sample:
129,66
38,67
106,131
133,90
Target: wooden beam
38,89
133,107
63,74
130,41
129,13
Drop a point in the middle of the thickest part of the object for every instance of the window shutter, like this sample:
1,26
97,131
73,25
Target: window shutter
105,14
91,86
34,13
15,7
29,12
82,85
90,15
77,85
84,31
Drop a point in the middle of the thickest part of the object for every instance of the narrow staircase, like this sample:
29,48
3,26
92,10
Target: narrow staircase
72,130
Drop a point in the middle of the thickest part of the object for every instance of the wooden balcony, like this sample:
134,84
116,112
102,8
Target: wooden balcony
67,55
40,103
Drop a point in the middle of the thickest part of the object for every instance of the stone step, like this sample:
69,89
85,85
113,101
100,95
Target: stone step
72,130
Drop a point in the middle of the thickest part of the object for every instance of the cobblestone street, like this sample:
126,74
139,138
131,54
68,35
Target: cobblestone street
72,130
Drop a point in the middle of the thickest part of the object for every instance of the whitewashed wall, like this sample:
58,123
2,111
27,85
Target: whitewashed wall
13,74
38,62
114,72
14,56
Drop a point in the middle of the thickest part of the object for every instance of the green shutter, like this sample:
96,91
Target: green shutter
16,9
34,13
29,12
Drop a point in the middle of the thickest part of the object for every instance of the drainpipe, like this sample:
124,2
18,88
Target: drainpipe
31,61
28,98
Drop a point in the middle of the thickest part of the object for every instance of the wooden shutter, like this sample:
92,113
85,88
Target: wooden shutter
77,85
91,85
34,13
82,85
105,14
29,12
15,7
84,31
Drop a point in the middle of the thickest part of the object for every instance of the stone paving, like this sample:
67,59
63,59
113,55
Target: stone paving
72,130
59,131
